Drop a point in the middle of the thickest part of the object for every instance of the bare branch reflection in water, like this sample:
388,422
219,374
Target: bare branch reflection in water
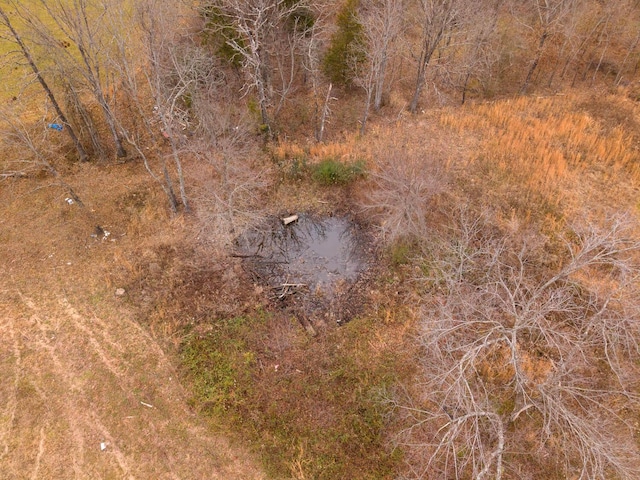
323,255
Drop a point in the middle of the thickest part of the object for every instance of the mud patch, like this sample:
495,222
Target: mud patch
315,266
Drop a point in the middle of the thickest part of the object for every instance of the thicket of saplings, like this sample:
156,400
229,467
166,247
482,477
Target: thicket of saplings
528,358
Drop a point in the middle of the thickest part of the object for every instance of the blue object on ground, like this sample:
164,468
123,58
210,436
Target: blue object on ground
56,126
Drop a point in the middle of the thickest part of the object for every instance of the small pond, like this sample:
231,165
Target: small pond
312,263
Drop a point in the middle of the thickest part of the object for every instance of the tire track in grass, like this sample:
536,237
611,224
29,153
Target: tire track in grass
112,446
9,412
91,331
75,432
97,333
89,374
109,362
80,405
36,467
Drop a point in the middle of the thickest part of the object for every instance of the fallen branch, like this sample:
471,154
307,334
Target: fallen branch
288,289
248,255
295,285
13,175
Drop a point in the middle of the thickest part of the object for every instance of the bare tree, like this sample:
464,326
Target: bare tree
437,19
175,69
15,37
619,34
381,22
186,66
549,16
82,116
479,53
323,114
576,31
630,51
527,347
253,29
143,134
402,189
310,46
573,35
230,198
37,152
75,33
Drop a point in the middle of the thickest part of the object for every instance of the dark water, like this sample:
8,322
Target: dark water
315,255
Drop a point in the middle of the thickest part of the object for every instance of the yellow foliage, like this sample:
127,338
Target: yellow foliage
339,151
287,150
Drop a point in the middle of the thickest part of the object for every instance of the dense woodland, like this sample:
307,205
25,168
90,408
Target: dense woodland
491,145
120,77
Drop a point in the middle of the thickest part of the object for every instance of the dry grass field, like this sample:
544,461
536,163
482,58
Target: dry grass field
99,384
539,163
87,390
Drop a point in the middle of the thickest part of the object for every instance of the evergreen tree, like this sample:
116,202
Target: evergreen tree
346,51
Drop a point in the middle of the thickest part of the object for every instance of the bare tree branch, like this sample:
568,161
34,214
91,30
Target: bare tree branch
508,335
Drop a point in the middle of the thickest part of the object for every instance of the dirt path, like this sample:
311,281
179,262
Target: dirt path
88,397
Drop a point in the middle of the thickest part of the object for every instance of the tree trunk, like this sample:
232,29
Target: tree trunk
534,64
261,81
181,187
83,120
365,115
604,51
626,57
168,186
582,48
420,79
108,115
324,115
425,58
465,87
377,100
93,75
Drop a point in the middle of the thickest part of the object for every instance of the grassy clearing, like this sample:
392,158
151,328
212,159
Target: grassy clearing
543,146
312,408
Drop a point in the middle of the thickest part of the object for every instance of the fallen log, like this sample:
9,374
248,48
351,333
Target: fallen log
290,219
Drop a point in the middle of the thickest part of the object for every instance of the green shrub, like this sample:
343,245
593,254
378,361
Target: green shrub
401,252
334,172
346,49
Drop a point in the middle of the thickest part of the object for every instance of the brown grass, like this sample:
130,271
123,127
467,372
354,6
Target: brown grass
548,145
79,360
530,158
78,366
